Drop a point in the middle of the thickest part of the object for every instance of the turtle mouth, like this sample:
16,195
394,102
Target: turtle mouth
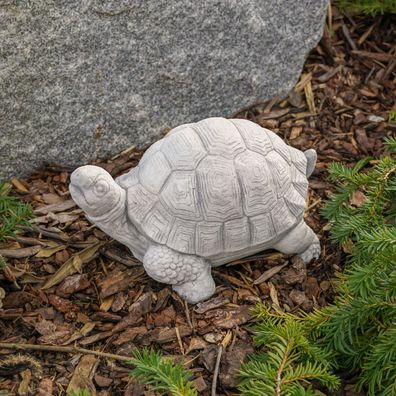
78,196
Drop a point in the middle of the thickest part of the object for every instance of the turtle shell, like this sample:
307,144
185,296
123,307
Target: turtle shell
216,187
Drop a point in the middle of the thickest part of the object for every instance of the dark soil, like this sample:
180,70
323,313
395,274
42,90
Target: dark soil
67,284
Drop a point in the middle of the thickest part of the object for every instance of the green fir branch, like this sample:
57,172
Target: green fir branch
287,361
359,329
161,374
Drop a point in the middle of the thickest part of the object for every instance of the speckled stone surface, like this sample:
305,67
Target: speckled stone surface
82,79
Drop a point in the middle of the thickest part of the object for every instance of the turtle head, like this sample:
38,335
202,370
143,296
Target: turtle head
94,190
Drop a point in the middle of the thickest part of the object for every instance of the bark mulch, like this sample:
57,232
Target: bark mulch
69,288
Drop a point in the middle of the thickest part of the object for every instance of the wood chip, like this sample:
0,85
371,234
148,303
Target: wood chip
269,274
273,295
18,185
117,282
136,311
230,318
20,253
274,114
330,74
379,56
164,335
129,335
212,303
83,374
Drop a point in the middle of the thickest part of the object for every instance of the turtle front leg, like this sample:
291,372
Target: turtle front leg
189,275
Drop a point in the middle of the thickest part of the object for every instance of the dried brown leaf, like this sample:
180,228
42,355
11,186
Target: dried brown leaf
273,294
54,208
207,305
73,265
48,252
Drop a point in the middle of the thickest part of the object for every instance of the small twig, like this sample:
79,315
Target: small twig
330,17
188,315
41,231
216,371
179,340
348,37
313,204
64,349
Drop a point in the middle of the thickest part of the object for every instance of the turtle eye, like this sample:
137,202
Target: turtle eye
101,188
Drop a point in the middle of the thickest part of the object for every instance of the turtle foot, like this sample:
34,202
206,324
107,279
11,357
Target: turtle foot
197,290
312,252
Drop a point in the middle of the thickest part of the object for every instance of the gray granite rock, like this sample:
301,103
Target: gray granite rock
82,79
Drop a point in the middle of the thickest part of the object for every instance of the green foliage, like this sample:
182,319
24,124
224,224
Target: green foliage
151,368
360,328
12,212
392,116
370,7
358,332
81,392
287,361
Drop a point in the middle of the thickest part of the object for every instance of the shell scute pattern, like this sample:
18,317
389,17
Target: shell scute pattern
209,239
155,147
181,197
282,218
219,189
280,171
158,223
299,160
154,171
255,137
295,202
129,179
280,147
183,149
217,186
262,228
300,181
236,234
139,203
182,236
258,195
220,137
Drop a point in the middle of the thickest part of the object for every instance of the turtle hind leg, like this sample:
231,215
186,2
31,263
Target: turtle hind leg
189,275
300,240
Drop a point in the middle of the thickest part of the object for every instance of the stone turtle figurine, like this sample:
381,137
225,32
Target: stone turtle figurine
204,195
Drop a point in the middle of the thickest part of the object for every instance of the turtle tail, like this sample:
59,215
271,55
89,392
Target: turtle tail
311,157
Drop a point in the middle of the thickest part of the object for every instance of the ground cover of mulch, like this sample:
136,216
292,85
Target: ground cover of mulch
69,287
